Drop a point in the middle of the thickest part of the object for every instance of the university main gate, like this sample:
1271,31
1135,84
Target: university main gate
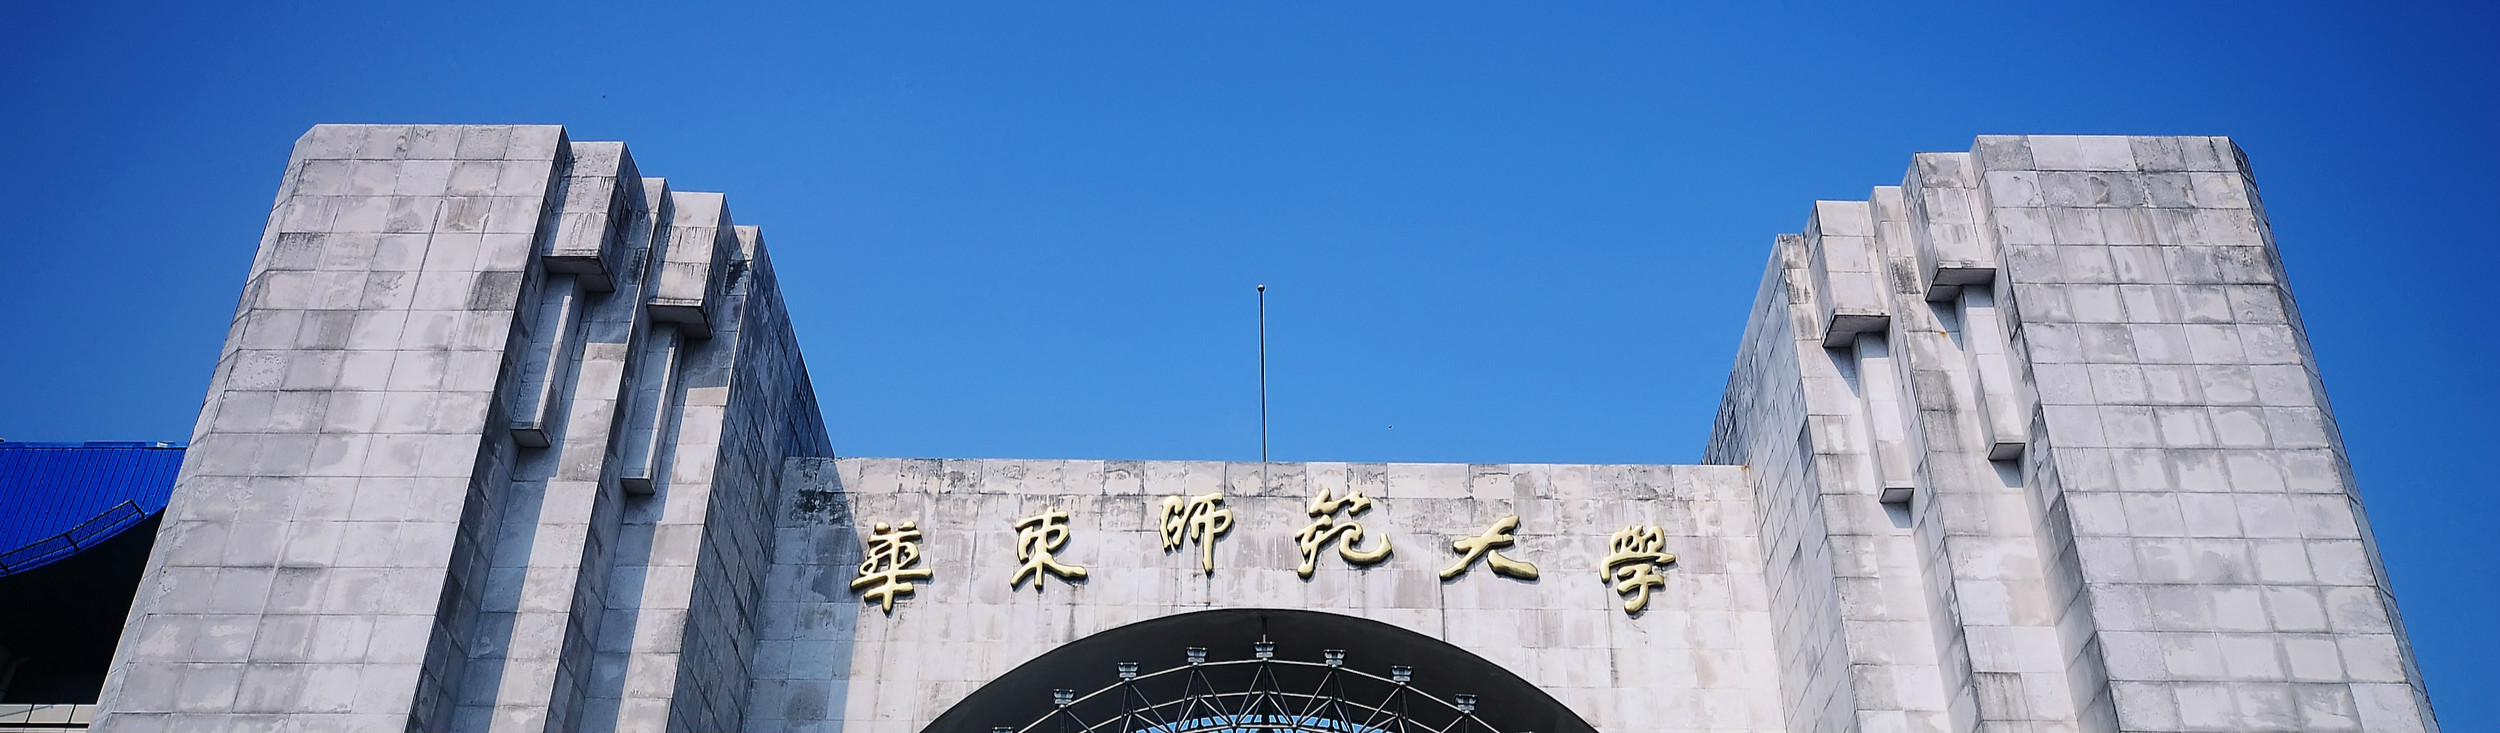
506,436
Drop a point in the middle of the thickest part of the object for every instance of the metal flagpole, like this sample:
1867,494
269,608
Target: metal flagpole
1262,375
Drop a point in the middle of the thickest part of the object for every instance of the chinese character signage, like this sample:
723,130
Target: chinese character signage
1325,529
1633,566
1639,551
1037,537
1488,547
888,571
1199,519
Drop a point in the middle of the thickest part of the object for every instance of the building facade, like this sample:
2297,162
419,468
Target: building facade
508,436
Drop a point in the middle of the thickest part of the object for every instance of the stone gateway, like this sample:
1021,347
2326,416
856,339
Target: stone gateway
507,436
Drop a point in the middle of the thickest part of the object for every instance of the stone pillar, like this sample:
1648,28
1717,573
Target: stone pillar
2128,510
405,504
2217,567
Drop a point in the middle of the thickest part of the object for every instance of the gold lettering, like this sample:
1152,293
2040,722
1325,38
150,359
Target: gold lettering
1199,519
888,570
1037,537
1324,529
1633,567
1489,547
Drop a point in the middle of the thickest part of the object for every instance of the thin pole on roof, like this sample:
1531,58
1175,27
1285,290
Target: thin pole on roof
1262,378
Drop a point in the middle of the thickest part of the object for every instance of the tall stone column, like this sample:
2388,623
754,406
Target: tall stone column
484,388
2215,558
2065,375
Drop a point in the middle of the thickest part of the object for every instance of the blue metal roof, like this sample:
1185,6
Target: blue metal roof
59,498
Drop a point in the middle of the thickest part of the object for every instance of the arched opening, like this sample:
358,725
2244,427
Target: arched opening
1262,670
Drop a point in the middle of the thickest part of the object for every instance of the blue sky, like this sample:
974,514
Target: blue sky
1492,232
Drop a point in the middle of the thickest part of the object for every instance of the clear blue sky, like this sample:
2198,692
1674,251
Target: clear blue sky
1492,232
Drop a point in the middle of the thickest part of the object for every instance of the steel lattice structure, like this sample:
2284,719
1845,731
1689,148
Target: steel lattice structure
1261,693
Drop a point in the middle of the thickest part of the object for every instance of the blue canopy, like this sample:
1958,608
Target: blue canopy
57,499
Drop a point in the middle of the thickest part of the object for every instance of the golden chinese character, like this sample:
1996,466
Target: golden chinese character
1324,529
1198,519
1638,553
891,552
1489,546
1037,537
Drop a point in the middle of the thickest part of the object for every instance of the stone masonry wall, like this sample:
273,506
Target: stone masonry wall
456,463
2189,461
2051,402
1699,658
1763,425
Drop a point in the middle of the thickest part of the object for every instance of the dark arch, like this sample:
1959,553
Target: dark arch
1504,702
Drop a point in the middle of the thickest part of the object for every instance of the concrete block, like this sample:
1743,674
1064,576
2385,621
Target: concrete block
2082,152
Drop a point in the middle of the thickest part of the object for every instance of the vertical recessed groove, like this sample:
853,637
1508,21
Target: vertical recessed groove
554,340
1880,401
655,382
1984,344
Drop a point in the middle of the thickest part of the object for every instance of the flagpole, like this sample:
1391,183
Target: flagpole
1263,374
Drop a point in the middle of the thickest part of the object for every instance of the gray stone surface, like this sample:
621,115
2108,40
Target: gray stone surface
507,436
402,509
2131,511
1698,658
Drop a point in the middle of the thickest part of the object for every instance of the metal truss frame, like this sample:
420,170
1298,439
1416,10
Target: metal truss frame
1260,694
